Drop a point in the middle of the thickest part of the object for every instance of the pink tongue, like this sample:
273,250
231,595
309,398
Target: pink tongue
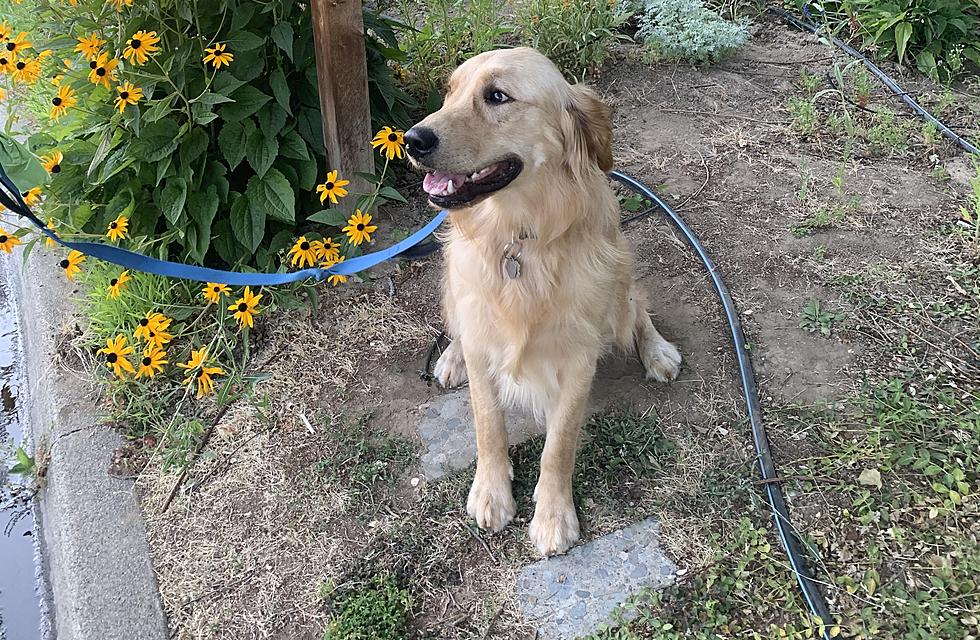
437,181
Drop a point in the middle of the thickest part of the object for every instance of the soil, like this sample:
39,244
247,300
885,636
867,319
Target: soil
244,552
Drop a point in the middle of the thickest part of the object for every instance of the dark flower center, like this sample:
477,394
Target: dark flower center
21,65
217,289
144,322
24,194
64,264
100,71
113,225
152,335
329,186
11,46
360,227
242,307
305,246
392,137
146,361
93,64
201,373
56,168
56,102
3,239
111,357
134,43
113,282
4,62
124,95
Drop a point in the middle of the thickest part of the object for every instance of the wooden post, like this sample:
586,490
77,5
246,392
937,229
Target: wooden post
341,69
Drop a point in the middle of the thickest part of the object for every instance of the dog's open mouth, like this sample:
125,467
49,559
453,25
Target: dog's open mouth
453,190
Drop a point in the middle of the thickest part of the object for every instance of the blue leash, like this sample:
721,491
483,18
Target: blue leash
10,197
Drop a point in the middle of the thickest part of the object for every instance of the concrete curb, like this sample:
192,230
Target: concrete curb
91,529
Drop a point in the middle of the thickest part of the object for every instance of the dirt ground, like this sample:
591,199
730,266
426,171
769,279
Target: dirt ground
305,497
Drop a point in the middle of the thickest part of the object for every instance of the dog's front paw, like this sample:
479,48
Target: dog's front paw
661,360
554,528
450,370
491,502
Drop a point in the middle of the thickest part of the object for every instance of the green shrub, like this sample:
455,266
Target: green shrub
940,35
214,165
575,34
688,30
375,612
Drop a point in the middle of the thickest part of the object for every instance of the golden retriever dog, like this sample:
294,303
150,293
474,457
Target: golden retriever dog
538,275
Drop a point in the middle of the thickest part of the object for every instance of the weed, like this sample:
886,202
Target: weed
820,253
809,82
842,126
930,133
970,214
840,177
575,34
687,30
634,202
939,173
375,611
889,132
861,85
814,318
806,178
362,459
822,218
804,114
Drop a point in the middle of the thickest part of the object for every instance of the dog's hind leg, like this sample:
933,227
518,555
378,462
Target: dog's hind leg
661,359
450,369
490,501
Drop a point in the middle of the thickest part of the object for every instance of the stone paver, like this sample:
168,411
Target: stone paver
446,429
572,595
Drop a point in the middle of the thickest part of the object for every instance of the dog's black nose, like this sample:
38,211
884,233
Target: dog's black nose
421,141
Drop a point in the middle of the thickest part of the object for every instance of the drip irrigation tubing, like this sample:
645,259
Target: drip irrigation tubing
894,87
809,587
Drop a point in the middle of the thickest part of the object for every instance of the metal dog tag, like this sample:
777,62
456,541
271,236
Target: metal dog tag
512,267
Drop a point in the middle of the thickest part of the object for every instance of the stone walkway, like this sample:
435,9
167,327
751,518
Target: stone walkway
567,596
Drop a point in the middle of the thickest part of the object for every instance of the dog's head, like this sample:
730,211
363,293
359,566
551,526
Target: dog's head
507,115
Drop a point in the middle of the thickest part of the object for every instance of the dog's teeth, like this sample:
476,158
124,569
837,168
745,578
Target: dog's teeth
475,176
451,189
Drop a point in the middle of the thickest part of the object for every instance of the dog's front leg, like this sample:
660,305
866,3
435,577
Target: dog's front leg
491,502
554,528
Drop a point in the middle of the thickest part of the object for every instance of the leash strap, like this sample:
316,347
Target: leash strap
10,197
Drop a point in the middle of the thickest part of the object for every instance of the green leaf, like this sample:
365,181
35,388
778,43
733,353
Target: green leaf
291,145
244,41
247,224
158,109
926,62
271,119
20,164
202,208
392,194
248,100
159,140
261,150
282,35
226,84
231,141
307,174
903,31
172,200
80,215
224,241
211,98
280,89
194,144
271,195
330,217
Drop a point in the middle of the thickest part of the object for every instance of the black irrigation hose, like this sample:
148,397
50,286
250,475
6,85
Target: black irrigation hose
806,25
810,588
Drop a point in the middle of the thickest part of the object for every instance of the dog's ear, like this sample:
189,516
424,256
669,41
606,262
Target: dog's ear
587,126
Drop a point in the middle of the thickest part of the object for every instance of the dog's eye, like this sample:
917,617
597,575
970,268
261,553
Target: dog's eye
496,96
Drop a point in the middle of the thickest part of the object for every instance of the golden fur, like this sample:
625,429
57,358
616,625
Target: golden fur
533,342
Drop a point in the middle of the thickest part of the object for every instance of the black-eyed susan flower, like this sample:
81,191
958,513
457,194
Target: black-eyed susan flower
335,278
152,321
389,142
104,70
303,253
213,291
5,31
333,188
118,228
61,103
48,242
6,62
115,352
44,54
151,363
128,94
359,227
71,263
26,70
8,241
90,47
119,4
158,337
18,45
31,196
328,250
218,55
117,284
141,46
52,163
198,371
246,308
3,94
56,80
